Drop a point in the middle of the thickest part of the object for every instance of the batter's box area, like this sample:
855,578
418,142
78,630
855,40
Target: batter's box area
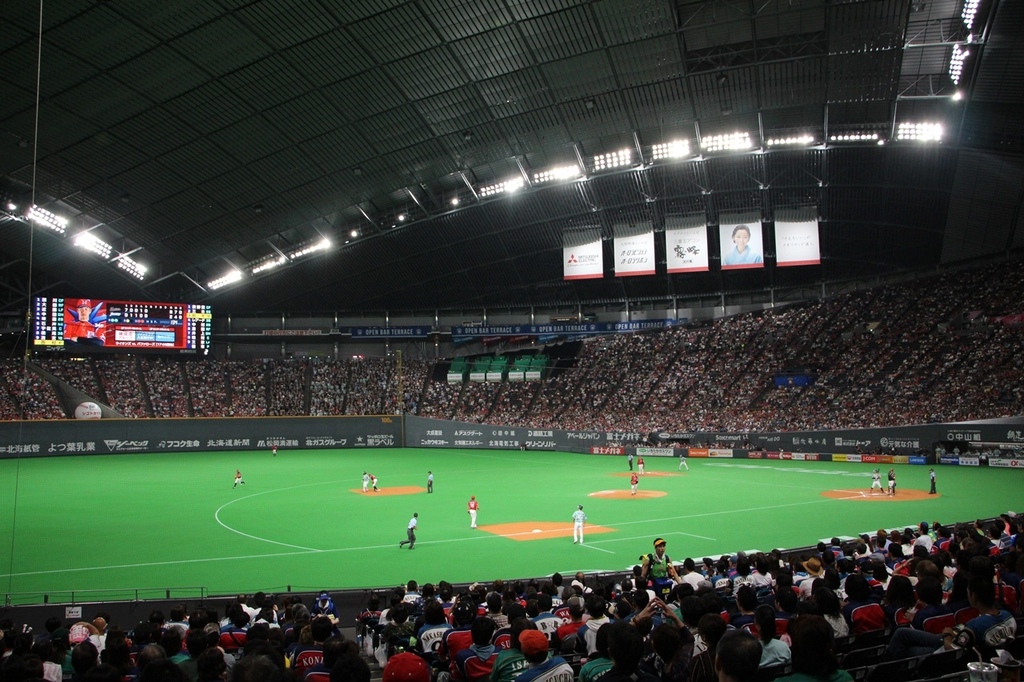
525,531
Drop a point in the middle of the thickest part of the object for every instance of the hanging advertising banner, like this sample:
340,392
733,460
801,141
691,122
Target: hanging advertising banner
797,243
582,256
686,244
742,245
634,255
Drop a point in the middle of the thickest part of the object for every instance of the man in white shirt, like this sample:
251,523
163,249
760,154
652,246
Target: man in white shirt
411,533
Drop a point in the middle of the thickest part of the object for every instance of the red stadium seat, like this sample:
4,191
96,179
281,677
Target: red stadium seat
936,624
868,617
965,614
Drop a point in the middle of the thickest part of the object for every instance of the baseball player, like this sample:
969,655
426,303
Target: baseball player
634,481
683,464
238,478
472,508
876,481
366,481
578,519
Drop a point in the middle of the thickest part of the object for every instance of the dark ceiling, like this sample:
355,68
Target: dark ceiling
201,137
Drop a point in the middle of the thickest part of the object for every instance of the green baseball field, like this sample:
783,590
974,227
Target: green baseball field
145,526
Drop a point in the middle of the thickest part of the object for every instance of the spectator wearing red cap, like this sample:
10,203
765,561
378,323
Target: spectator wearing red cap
406,667
511,662
542,668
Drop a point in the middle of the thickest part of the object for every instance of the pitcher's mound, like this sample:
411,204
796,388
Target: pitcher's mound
525,531
625,495
397,490
866,496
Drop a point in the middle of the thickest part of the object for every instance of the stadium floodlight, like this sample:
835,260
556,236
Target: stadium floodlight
726,142
45,218
969,12
956,63
231,277
11,206
922,132
570,172
269,264
856,136
619,159
790,141
309,248
676,149
501,187
134,268
89,242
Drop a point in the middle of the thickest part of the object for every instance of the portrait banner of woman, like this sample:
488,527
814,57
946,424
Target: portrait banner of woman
742,245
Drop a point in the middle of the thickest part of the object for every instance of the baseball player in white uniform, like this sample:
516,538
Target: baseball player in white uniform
578,519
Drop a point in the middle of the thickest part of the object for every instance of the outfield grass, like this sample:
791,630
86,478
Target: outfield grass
161,521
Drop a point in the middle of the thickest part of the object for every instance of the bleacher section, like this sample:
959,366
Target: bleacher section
900,354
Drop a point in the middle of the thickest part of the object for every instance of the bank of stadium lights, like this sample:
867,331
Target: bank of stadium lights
269,264
619,159
676,149
230,278
89,242
860,136
133,268
791,141
956,63
501,187
969,12
313,247
726,142
570,172
41,216
923,132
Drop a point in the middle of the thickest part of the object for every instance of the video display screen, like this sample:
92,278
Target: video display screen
89,325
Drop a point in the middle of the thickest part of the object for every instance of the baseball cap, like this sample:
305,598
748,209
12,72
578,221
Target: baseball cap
406,667
532,642
78,634
659,541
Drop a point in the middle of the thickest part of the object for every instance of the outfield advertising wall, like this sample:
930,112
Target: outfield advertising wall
108,436
116,436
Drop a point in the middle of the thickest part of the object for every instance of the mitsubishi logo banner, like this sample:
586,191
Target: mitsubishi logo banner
582,257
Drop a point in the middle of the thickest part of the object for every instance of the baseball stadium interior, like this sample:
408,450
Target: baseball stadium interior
777,243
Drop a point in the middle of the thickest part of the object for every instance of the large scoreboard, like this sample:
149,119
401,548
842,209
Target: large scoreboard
103,325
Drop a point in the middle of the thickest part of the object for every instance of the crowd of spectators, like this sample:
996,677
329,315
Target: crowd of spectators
924,599
328,387
122,384
165,383
36,397
287,387
371,387
248,381
944,348
207,388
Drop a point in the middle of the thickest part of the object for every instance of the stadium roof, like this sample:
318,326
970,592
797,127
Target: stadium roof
196,139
